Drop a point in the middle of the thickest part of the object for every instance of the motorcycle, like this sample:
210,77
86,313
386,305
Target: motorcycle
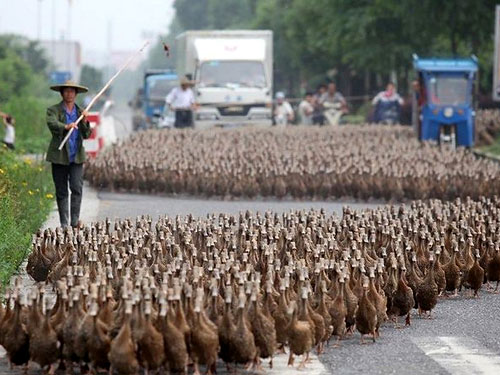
387,112
333,113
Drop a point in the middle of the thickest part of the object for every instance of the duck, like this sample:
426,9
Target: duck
150,343
427,291
366,316
99,342
15,336
44,344
174,343
475,276
122,354
402,299
204,340
452,274
300,337
338,312
493,270
243,341
263,329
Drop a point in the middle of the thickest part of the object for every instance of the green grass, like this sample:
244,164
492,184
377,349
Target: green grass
32,134
493,148
25,202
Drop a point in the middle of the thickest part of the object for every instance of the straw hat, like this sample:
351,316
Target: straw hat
79,89
186,81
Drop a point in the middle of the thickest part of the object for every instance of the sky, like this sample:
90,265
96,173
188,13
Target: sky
130,22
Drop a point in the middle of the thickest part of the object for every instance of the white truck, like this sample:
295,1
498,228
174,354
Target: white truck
233,74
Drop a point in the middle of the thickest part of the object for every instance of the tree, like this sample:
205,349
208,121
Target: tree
29,50
91,77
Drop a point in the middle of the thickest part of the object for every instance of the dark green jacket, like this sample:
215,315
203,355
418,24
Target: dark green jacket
56,121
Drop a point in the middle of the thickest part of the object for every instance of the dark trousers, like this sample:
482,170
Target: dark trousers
183,119
62,175
9,145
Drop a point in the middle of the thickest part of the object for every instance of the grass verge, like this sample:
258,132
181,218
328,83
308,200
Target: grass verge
493,148
25,202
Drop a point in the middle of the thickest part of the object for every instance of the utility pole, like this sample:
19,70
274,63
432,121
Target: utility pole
39,21
69,50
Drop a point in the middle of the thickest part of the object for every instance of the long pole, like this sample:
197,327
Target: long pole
101,92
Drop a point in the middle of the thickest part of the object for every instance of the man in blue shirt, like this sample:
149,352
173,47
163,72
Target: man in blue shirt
67,164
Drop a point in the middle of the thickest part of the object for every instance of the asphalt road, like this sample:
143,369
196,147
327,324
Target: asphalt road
463,338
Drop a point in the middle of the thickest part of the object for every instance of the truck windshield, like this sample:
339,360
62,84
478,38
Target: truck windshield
448,89
158,88
226,73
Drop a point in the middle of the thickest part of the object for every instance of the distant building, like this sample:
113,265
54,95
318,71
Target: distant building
66,59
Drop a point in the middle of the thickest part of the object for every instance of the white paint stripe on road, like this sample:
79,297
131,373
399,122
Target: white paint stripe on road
460,355
280,366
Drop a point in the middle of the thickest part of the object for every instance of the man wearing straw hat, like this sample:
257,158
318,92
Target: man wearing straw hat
67,163
181,100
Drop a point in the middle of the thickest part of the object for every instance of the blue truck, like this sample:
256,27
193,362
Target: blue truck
156,86
444,101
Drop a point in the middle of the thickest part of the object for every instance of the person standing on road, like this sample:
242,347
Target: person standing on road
67,164
181,100
283,111
10,132
306,109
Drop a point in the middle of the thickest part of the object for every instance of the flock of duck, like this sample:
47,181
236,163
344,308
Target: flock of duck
180,293
383,162
487,126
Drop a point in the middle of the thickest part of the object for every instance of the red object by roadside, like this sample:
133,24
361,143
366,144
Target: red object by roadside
95,142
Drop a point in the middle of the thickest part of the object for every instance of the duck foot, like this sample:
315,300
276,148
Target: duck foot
302,364
408,320
52,369
281,350
337,343
196,369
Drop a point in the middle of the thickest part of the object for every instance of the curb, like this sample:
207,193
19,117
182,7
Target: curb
486,155
88,213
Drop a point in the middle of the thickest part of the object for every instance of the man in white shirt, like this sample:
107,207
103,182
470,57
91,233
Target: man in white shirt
306,109
181,100
10,133
283,111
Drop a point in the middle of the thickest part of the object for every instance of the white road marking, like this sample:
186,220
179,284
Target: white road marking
280,365
460,355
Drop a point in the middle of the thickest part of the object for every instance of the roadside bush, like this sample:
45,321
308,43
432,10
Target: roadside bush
32,134
25,202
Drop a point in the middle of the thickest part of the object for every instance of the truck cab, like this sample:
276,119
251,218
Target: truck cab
232,71
157,85
443,101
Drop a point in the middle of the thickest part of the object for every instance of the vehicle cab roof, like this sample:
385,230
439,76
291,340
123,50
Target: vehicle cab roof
445,65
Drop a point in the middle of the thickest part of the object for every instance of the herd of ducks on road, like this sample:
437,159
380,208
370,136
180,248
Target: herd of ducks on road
179,293
362,162
487,126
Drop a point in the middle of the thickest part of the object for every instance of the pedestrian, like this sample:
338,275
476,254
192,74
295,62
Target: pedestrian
306,109
283,111
181,100
318,116
387,105
67,164
10,132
